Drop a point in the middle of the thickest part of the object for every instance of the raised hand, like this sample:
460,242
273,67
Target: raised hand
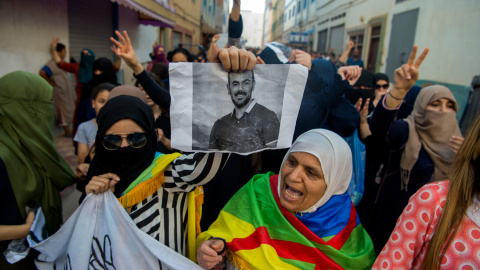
350,45
350,73
407,75
125,50
53,44
302,58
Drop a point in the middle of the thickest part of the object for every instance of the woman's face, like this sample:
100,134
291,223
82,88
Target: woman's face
149,100
179,57
302,184
100,100
125,127
441,105
381,86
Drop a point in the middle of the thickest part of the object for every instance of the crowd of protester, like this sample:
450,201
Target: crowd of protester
417,180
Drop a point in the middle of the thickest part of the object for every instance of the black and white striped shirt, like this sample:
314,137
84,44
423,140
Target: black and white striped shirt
163,215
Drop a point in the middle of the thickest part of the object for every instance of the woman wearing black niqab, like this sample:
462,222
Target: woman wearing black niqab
151,186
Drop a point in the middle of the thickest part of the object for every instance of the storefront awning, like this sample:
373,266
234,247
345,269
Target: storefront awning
150,17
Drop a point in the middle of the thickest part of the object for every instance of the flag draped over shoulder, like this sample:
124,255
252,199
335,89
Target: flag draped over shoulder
262,234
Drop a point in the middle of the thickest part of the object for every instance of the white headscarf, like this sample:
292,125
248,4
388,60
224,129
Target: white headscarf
335,158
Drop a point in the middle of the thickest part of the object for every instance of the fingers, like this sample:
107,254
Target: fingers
101,183
120,37
364,111
215,38
421,57
413,54
358,105
252,61
127,38
234,59
400,72
303,58
30,217
406,71
118,46
260,61
243,58
206,256
213,53
224,58
233,53
455,143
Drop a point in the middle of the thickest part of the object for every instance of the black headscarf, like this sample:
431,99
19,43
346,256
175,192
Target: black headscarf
127,162
367,80
381,76
108,76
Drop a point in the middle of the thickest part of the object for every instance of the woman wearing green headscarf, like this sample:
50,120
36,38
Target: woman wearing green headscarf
31,169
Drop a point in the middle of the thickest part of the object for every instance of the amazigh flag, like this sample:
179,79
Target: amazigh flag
262,234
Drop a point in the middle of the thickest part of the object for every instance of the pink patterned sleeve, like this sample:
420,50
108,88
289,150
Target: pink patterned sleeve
408,242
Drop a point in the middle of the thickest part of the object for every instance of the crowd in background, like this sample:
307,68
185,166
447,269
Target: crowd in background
399,177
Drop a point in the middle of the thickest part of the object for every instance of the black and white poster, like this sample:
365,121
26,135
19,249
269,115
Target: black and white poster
240,112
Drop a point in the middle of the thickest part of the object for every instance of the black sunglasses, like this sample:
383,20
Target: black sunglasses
114,141
378,86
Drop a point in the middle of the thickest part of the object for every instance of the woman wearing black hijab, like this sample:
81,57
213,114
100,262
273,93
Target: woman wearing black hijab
126,163
103,72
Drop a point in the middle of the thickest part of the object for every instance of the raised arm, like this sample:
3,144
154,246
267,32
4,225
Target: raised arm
405,77
383,123
343,58
124,50
53,46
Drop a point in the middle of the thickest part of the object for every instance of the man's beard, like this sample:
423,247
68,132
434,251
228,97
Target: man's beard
242,103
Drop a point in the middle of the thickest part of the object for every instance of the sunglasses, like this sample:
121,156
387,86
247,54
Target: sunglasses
384,86
114,141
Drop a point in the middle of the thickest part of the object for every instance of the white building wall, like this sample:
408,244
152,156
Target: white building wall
448,28
451,30
252,28
142,37
26,30
290,12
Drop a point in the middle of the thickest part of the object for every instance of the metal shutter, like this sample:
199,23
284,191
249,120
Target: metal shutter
336,38
90,25
322,41
176,39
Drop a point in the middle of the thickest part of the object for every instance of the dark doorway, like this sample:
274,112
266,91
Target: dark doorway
373,50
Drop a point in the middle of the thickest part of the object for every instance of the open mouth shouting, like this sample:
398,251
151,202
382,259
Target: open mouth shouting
292,193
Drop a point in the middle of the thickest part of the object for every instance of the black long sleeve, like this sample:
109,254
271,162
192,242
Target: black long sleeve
158,94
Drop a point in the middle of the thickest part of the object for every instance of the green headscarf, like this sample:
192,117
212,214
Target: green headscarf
36,170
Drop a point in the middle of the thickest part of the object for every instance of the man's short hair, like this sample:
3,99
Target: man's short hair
253,76
60,47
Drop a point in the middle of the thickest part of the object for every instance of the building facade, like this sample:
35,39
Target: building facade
252,28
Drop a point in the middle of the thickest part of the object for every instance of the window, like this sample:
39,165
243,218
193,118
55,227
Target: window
293,11
304,4
357,38
298,7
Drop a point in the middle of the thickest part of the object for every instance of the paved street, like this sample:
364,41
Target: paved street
70,195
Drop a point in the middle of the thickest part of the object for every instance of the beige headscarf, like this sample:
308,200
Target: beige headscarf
127,90
432,130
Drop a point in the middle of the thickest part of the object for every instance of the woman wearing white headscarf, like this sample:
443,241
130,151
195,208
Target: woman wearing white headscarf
298,219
